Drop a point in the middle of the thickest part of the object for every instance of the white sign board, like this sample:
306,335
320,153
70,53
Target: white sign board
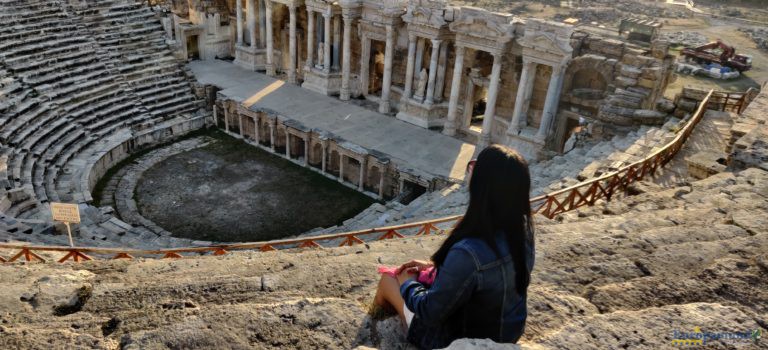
65,212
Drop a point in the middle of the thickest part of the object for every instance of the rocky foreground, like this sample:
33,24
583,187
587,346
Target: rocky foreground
625,274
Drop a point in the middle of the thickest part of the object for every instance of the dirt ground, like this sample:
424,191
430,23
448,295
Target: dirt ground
229,191
729,33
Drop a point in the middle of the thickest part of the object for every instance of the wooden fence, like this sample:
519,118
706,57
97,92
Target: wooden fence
548,205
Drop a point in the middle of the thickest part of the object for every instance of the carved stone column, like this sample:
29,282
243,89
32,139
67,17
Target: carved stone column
272,135
310,39
292,44
381,184
410,66
490,108
256,136
270,43
239,11
386,84
336,42
262,24
365,69
347,59
442,67
250,18
362,174
287,144
527,77
324,146
240,125
433,71
327,43
453,102
226,117
550,104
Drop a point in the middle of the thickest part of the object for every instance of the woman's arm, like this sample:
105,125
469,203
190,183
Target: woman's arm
455,282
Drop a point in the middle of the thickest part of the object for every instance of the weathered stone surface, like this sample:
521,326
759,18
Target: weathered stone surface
616,274
751,149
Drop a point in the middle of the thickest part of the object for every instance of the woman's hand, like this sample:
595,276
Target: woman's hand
406,274
415,264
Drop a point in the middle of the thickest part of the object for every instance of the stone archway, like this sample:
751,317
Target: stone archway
589,72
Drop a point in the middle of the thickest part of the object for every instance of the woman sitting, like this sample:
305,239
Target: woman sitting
483,268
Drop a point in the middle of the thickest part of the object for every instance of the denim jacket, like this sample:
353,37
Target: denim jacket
473,296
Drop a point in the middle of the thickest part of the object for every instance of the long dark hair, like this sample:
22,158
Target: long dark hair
499,200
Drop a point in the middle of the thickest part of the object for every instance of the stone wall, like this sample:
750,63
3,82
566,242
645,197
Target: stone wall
321,151
630,78
750,136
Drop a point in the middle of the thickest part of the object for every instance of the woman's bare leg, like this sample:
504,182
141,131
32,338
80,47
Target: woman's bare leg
388,293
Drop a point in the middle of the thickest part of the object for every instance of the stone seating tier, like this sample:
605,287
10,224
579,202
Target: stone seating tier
68,81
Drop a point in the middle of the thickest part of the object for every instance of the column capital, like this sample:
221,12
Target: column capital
268,4
326,15
527,61
558,70
349,14
412,37
436,42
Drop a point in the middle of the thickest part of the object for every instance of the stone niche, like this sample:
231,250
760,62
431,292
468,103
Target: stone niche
421,102
322,69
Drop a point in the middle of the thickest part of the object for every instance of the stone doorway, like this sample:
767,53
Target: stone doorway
193,50
572,128
410,192
376,70
297,147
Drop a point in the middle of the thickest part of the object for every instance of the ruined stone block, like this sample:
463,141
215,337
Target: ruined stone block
625,82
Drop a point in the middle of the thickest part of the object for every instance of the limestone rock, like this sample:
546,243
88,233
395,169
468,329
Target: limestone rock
485,344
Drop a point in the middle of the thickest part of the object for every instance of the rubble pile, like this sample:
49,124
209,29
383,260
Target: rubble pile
610,11
758,35
592,14
687,39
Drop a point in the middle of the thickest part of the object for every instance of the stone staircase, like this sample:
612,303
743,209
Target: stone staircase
71,87
128,33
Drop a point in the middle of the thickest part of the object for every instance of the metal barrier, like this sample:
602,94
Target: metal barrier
548,205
